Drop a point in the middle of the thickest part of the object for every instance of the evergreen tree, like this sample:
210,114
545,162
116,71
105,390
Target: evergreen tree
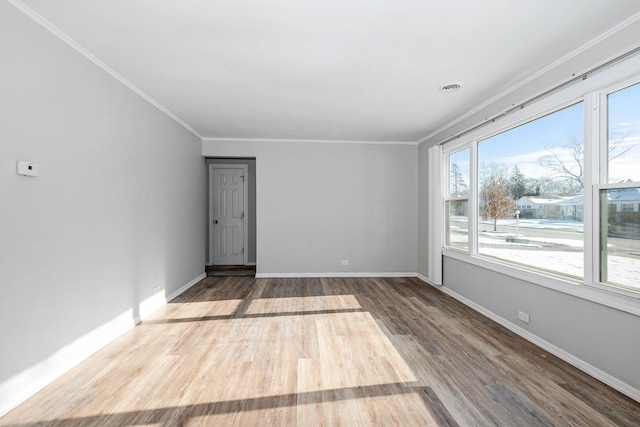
517,183
457,186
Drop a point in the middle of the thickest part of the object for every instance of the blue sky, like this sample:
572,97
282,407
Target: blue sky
524,145
624,121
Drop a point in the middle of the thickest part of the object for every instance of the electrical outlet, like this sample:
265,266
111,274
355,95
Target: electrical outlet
523,316
344,262
27,168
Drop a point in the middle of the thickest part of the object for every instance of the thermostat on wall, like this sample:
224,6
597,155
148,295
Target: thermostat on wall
27,168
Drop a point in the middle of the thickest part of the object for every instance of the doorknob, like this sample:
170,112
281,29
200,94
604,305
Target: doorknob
215,221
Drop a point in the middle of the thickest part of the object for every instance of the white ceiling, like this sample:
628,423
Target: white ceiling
363,70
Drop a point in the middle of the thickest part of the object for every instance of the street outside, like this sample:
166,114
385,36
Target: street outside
552,245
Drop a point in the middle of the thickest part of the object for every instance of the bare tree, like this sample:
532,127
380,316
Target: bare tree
495,198
566,161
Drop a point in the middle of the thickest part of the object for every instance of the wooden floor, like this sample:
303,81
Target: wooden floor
299,352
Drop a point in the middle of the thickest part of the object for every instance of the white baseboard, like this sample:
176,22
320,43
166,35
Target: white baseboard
427,280
150,305
334,274
180,291
20,387
250,264
595,372
25,384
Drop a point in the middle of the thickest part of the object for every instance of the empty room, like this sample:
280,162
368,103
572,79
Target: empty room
297,213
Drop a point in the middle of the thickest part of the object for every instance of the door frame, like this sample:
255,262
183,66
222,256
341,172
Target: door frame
245,207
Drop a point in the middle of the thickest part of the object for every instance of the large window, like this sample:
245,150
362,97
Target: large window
555,198
530,186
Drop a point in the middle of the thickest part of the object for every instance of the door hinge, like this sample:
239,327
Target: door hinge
242,215
242,176
242,251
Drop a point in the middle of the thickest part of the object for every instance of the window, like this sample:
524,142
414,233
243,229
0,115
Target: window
521,198
541,162
457,204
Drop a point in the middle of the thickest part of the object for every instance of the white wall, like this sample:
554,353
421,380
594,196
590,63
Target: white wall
118,209
319,203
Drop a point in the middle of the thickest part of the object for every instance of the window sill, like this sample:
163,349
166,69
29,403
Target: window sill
607,297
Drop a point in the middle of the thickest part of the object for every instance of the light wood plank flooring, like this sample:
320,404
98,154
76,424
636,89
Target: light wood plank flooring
300,352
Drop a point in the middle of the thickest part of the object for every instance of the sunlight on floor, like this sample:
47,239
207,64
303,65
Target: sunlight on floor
222,365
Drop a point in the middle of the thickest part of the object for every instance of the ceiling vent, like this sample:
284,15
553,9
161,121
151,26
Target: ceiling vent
451,87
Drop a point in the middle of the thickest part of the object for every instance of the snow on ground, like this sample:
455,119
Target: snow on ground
570,263
547,224
540,252
573,243
624,271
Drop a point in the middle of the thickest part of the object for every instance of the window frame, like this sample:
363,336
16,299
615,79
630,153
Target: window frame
594,94
597,218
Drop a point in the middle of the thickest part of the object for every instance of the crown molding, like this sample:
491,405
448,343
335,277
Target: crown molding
309,141
18,4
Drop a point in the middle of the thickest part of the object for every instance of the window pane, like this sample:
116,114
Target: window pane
620,237
457,227
459,174
530,194
624,134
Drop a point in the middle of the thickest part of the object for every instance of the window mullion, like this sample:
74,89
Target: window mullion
473,198
592,142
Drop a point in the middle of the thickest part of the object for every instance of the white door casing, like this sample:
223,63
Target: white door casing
227,236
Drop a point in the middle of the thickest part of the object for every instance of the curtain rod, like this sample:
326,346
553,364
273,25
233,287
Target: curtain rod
544,94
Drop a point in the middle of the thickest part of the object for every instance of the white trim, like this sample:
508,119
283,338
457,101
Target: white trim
250,264
591,174
184,288
473,205
595,372
333,274
25,384
91,57
437,178
427,280
151,304
617,185
309,141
